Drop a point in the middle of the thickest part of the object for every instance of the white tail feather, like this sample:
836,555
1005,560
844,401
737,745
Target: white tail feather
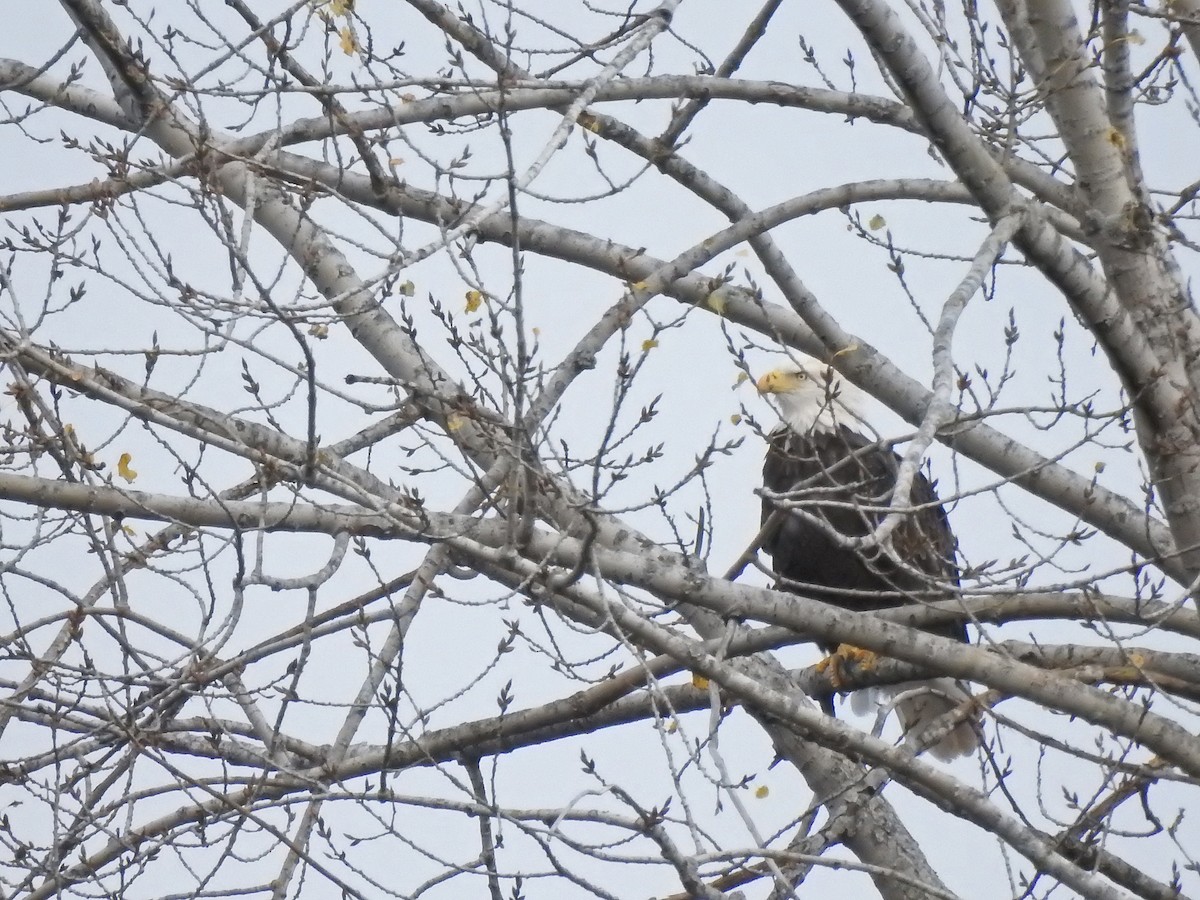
918,704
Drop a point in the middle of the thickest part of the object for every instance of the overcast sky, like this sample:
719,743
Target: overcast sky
765,155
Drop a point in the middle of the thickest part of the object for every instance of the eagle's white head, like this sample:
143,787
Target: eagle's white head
814,397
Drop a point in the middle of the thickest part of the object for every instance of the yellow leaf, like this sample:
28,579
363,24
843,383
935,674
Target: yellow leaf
347,41
699,682
129,530
396,161
877,222
319,330
761,791
649,344
638,286
454,422
741,379
588,121
537,332
474,301
736,419
123,467
672,727
407,289
1135,37
341,7
717,301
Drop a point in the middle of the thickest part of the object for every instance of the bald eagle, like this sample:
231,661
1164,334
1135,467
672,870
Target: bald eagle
831,481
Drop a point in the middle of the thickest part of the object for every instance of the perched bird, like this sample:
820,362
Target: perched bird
826,477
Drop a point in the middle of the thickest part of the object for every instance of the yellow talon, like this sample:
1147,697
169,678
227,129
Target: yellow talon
845,657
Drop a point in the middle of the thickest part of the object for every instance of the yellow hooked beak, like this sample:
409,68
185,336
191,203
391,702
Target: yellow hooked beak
779,381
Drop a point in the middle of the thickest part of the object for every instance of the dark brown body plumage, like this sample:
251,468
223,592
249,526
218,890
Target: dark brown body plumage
845,480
